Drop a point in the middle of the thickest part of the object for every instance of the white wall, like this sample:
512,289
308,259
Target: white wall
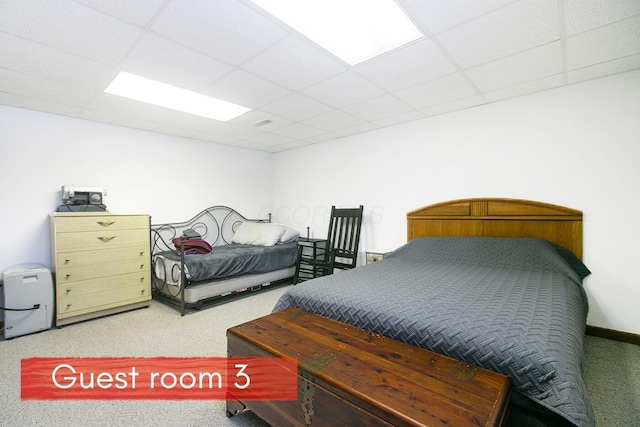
168,177
576,146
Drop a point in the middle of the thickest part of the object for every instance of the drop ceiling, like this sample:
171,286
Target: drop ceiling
58,56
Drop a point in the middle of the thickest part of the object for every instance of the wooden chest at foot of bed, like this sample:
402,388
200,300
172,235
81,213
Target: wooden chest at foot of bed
349,376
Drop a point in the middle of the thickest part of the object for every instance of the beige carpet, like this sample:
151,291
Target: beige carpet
155,331
612,369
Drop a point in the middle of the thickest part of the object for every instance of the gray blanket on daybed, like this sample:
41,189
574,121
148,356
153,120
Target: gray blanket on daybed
235,259
515,306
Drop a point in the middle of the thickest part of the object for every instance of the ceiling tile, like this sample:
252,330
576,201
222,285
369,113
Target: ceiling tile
70,27
247,89
225,29
329,136
296,107
269,140
409,116
378,108
458,104
354,130
436,92
517,27
537,63
422,61
615,66
38,60
584,15
137,122
256,118
113,104
218,139
37,104
232,130
186,121
43,89
167,62
298,131
344,89
604,44
333,120
437,15
521,89
135,12
295,64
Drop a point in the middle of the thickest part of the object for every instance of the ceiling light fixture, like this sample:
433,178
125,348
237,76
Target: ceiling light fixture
153,92
353,30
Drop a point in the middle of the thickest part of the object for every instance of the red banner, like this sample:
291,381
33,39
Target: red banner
159,378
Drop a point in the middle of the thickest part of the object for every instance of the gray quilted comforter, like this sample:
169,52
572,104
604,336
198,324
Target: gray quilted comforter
235,259
515,306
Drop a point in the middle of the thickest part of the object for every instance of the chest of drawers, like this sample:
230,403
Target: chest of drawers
101,262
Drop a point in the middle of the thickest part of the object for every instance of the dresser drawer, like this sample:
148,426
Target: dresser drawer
67,274
99,294
68,224
138,280
90,240
139,253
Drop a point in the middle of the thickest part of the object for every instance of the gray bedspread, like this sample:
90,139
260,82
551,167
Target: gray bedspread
234,260
514,306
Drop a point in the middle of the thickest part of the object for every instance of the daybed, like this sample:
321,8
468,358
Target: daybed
240,255
493,282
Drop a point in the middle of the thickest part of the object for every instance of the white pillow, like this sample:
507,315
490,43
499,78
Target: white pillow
289,234
256,233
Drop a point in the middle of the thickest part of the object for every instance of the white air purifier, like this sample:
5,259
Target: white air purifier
27,299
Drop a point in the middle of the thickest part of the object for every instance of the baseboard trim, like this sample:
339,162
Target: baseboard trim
613,334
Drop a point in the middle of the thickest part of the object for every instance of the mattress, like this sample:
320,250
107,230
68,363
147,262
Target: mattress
515,306
225,261
221,287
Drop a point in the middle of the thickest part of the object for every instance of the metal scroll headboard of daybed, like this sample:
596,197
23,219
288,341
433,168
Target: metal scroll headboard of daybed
217,225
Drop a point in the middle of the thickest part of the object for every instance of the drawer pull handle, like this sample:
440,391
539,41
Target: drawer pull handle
68,290
67,260
106,238
68,305
142,292
142,279
68,275
141,252
141,266
106,223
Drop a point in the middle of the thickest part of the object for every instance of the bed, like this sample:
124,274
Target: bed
492,282
230,256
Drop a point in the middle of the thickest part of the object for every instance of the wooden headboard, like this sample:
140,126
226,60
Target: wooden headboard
496,217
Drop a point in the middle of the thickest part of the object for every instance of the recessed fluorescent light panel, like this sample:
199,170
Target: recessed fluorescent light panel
153,92
353,30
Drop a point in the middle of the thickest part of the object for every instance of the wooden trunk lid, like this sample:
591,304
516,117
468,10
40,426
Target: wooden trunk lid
391,381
